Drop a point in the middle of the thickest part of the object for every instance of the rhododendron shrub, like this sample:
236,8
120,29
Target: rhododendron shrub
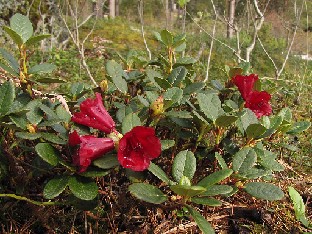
209,145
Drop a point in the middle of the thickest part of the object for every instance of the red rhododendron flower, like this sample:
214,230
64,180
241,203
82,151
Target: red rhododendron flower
245,84
90,149
93,114
258,102
138,147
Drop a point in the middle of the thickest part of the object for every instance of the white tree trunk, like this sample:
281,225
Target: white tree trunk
231,16
112,8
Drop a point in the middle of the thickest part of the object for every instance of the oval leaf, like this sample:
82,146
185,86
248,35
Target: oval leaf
7,95
47,153
217,190
148,193
202,223
106,162
184,164
299,127
264,191
159,173
55,187
130,121
83,188
215,177
187,190
42,68
22,26
244,159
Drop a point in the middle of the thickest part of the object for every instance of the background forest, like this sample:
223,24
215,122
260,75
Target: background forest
125,49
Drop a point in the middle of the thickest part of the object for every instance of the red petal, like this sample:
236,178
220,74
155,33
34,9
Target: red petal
74,139
258,102
245,84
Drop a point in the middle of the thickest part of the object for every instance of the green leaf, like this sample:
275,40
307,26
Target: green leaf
28,135
22,26
172,96
182,3
159,173
179,114
208,201
76,89
299,207
62,113
299,127
215,178
148,193
7,95
83,188
264,191
162,83
53,138
187,190
267,160
19,121
8,69
184,164
166,38
193,88
55,187
115,71
253,131
225,120
247,118
221,161
11,61
286,115
202,223
166,144
244,159
35,39
215,190
94,172
177,75
48,153
42,68
151,74
107,161
34,115
185,61
130,121
15,37
210,104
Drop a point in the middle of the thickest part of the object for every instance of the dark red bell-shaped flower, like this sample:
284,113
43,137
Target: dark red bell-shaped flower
138,147
258,102
93,114
90,149
245,84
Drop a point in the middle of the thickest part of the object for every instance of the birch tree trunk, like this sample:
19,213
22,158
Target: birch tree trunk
231,17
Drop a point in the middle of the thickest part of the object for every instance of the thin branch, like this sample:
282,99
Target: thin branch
140,10
216,39
212,40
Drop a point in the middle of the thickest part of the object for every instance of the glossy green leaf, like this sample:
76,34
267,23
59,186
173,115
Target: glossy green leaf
267,160
185,61
253,131
221,161
52,137
172,96
107,161
76,89
215,178
8,69
184,164
7,95
159,173
177,75
167,144
35,39
19,121
210,104
299,207
166,37
225,120
187,190
115,71
202,223
11,61
15,37
162,83
247,118
148,193
299,127
22,26
244,159
214,190
55,187
83,188
35,114
207,201
193,88
264,191
94,172
130,121
28,135
48,153
62,113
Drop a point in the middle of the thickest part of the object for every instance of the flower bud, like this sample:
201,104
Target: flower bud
157,106
104,85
